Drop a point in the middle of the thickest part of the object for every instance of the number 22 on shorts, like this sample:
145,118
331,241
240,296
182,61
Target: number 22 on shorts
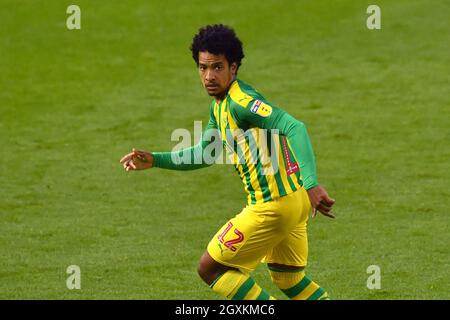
229,244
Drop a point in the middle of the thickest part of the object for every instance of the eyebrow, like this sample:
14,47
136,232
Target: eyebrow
212,64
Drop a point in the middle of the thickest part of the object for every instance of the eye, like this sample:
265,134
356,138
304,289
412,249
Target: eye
218,68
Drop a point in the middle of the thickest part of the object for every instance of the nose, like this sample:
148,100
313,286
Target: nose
209,75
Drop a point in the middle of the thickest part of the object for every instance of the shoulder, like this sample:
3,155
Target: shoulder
241,94
245,99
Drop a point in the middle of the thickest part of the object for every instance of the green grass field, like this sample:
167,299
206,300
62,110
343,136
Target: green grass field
376,104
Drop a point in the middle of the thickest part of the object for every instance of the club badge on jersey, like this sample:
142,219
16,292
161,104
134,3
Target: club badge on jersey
260,108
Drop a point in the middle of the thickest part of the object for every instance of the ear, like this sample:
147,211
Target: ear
234,68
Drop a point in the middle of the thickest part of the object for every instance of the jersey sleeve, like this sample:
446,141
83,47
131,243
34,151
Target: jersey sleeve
263,115
195,155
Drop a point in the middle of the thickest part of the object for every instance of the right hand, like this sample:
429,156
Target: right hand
320,201
137,160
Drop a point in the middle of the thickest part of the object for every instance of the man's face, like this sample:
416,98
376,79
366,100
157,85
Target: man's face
216,73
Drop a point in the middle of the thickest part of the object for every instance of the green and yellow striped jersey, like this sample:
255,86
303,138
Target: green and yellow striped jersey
269,149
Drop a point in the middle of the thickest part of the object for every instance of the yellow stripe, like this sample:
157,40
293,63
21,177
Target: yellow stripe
216,106
253,293
292,151
237,284
324,296
229,283
295,181
243,99
253,175
243,179
282,169
234,158
242,145
222,115
309,290
239,96
273,187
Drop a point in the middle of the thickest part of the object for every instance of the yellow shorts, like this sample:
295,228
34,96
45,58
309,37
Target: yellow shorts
271,232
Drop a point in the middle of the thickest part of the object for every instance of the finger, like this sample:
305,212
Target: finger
329,214
314,212
125,164
328,201
323,208
128,165
126,157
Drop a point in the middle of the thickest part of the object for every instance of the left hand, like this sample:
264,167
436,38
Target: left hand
137,160
320,201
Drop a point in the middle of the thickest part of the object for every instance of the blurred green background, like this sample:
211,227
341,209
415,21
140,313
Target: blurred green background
376,104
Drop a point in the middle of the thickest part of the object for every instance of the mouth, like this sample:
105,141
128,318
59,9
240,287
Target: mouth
211,86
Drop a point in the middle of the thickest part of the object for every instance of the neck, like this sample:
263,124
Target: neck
219,98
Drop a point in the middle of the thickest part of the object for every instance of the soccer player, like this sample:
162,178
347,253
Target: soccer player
272,228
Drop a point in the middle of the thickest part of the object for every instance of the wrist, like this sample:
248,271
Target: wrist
156,158
310,183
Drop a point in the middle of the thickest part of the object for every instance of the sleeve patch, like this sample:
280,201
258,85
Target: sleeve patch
260,108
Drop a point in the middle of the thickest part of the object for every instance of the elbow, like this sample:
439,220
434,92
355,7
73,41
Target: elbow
298,126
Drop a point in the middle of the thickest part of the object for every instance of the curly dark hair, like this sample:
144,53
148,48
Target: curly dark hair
218,39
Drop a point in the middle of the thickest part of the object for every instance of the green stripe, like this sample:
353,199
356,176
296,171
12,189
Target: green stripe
247,177
264,140
263,295
290,182
317,294
280,184
299,287
293,270
243,164
255,156
299,179
267,196
244,289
